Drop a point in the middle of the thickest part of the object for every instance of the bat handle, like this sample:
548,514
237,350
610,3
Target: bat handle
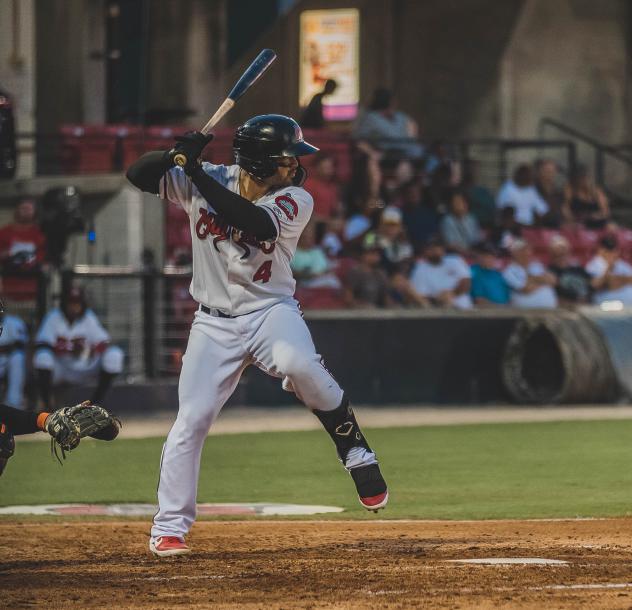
180,160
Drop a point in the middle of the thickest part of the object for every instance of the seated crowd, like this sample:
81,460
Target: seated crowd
419,230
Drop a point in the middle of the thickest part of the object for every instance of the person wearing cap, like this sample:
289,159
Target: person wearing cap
611,275
443,279
366,284
73,347
460,229
532,286
573,281
397,252
489,288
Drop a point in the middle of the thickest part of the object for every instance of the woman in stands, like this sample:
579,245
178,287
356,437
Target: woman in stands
584,202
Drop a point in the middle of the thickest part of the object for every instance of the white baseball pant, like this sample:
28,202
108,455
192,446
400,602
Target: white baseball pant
68,369
276,340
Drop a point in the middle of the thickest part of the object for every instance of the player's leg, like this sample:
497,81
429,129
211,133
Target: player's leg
110,365
282,346
44,365
211,367
16,372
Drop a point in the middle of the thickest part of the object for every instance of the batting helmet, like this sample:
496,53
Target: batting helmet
262,140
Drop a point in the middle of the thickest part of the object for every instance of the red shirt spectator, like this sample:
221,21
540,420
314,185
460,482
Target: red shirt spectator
322,186
22,249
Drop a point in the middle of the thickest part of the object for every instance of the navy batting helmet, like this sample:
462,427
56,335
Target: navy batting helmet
262,140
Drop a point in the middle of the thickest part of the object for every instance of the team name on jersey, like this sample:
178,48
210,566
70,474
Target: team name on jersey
210,223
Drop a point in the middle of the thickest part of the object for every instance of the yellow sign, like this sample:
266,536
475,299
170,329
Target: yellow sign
330,50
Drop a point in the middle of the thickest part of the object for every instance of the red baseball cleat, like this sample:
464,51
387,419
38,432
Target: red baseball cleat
168,546
374,503
371,487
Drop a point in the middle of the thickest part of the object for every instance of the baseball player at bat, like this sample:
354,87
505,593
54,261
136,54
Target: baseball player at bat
245,222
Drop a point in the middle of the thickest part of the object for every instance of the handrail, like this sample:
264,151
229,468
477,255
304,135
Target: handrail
571,131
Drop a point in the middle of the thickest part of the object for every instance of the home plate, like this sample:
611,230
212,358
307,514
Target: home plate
505,561
140,510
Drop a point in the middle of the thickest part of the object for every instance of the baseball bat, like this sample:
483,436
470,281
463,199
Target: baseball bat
246,80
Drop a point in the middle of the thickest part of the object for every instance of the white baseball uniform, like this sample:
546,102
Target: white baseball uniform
237,275
12,359
79,349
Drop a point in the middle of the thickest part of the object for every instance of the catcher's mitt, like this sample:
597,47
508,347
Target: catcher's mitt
70,424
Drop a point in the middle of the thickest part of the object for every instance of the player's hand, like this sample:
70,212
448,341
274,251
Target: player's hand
189,146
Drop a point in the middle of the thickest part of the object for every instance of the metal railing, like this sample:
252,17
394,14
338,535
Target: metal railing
618,182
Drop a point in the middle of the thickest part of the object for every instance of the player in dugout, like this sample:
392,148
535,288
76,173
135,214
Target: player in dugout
66,426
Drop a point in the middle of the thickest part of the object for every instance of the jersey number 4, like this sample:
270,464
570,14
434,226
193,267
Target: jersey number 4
263,273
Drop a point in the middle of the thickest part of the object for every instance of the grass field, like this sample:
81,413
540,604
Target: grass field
563,469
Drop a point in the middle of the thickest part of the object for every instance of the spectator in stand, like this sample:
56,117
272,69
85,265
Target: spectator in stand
366,284
395,173
387,128
22,251
13,340
313,117
481,199
332,241
507,231
584,202
322,185
443,279
310,264
546,183
397,252
521,194
437,157
573,284
360,223
532,286
611,276
73,347
439,192
421,220
460,229
489,288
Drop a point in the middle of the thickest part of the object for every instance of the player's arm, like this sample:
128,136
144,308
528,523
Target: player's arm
22,422
146,172
234,209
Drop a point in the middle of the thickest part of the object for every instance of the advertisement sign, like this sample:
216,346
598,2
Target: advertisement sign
329,50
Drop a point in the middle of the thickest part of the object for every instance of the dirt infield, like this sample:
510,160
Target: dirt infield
311,564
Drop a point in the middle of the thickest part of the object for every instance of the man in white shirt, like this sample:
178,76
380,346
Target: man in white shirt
611,276
444,279
521,194
532,286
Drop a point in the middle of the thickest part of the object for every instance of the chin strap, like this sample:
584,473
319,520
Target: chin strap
300,176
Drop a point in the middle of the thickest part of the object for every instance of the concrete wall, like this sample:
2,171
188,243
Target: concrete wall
474,68
568,60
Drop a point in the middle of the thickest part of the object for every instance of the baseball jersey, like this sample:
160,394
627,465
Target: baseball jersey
78,343
233,271
431,280
13,333
517,277
598,266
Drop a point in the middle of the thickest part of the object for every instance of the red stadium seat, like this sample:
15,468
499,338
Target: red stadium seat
320,298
